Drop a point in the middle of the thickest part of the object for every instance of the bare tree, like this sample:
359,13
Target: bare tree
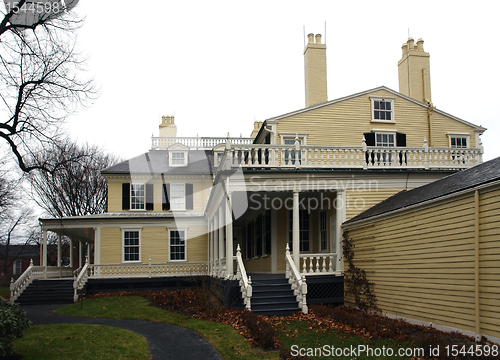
41,80
75,187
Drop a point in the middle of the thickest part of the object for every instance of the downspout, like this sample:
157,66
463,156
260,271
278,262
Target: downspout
476,264
430,109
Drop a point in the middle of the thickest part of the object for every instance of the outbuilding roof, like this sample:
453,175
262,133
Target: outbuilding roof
463,180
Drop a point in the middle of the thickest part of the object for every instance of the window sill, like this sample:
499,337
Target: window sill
178,261
132,262
383,121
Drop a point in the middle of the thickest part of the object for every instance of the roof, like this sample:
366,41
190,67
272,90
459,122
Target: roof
364,93
155,162
478,175
126,215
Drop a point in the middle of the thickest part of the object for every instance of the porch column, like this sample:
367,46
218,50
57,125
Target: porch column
44,247
340,217
59,250
215,236
296,230
221,232
88,252
71,253
97,245
229,237
80,254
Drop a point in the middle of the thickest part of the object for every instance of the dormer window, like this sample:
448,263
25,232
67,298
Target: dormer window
178,155
383,110
178,158
459,141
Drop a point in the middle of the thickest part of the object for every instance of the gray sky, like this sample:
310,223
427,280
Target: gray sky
220,65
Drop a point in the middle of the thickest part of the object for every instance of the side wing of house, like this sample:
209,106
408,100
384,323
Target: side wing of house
158,200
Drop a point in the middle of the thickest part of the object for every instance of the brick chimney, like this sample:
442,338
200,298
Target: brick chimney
315,70
414,71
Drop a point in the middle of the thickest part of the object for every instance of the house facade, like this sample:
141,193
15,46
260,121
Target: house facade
274,203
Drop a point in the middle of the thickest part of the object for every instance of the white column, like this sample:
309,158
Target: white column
80,254
221,232
97,245
296,230
229,237
88,251
59,250
71,253
44,247
215,236
340,210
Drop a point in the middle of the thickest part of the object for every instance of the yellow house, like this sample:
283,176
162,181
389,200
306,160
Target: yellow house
266,211
433,253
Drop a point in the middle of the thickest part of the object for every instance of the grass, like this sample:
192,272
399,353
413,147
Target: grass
226,340
5,292
80,342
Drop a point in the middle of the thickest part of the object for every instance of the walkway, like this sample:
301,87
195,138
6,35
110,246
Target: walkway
164,341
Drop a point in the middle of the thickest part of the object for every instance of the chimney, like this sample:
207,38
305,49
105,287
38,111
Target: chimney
167,127
414,71
256,128
315,70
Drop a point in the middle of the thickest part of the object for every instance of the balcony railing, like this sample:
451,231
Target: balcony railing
352,157
197,143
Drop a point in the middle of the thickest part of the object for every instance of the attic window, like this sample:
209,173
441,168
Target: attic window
459,141
382,110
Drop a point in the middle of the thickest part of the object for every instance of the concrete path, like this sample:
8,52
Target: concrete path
165,341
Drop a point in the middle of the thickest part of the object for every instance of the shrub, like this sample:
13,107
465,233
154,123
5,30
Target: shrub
13,322
261,331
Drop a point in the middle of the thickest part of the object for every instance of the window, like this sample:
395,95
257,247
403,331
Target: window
290,155
178,158
131,245
17,267
382,110
303,232
322,230
178,196
137,197
384,139
459,142
177,245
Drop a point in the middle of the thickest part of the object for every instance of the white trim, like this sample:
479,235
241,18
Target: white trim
97,246
123,244
274,241
384,132
170,197
291,136
132,184
185,242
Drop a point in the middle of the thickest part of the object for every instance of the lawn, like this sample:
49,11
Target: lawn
227,341
5,292
80,342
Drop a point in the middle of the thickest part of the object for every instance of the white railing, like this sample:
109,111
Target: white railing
352,157
81,280
318,264
244,280
206,143
297,281
36,272
147,270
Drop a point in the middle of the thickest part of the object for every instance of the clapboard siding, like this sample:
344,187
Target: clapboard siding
344,122
422,262
201,192
358,201
111,246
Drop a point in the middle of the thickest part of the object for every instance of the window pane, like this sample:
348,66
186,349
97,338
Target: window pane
382,105
388,105
376,105
377,115
177,245
388,115
177,196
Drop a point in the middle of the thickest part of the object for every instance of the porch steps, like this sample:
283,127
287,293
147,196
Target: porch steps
273,296
48,291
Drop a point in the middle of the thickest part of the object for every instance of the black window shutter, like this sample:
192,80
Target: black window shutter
189,196
125,196
400,139
165,197
370,138
149,197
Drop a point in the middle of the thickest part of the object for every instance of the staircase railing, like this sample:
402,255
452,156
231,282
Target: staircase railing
245,282
17,287
297,281
81,280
